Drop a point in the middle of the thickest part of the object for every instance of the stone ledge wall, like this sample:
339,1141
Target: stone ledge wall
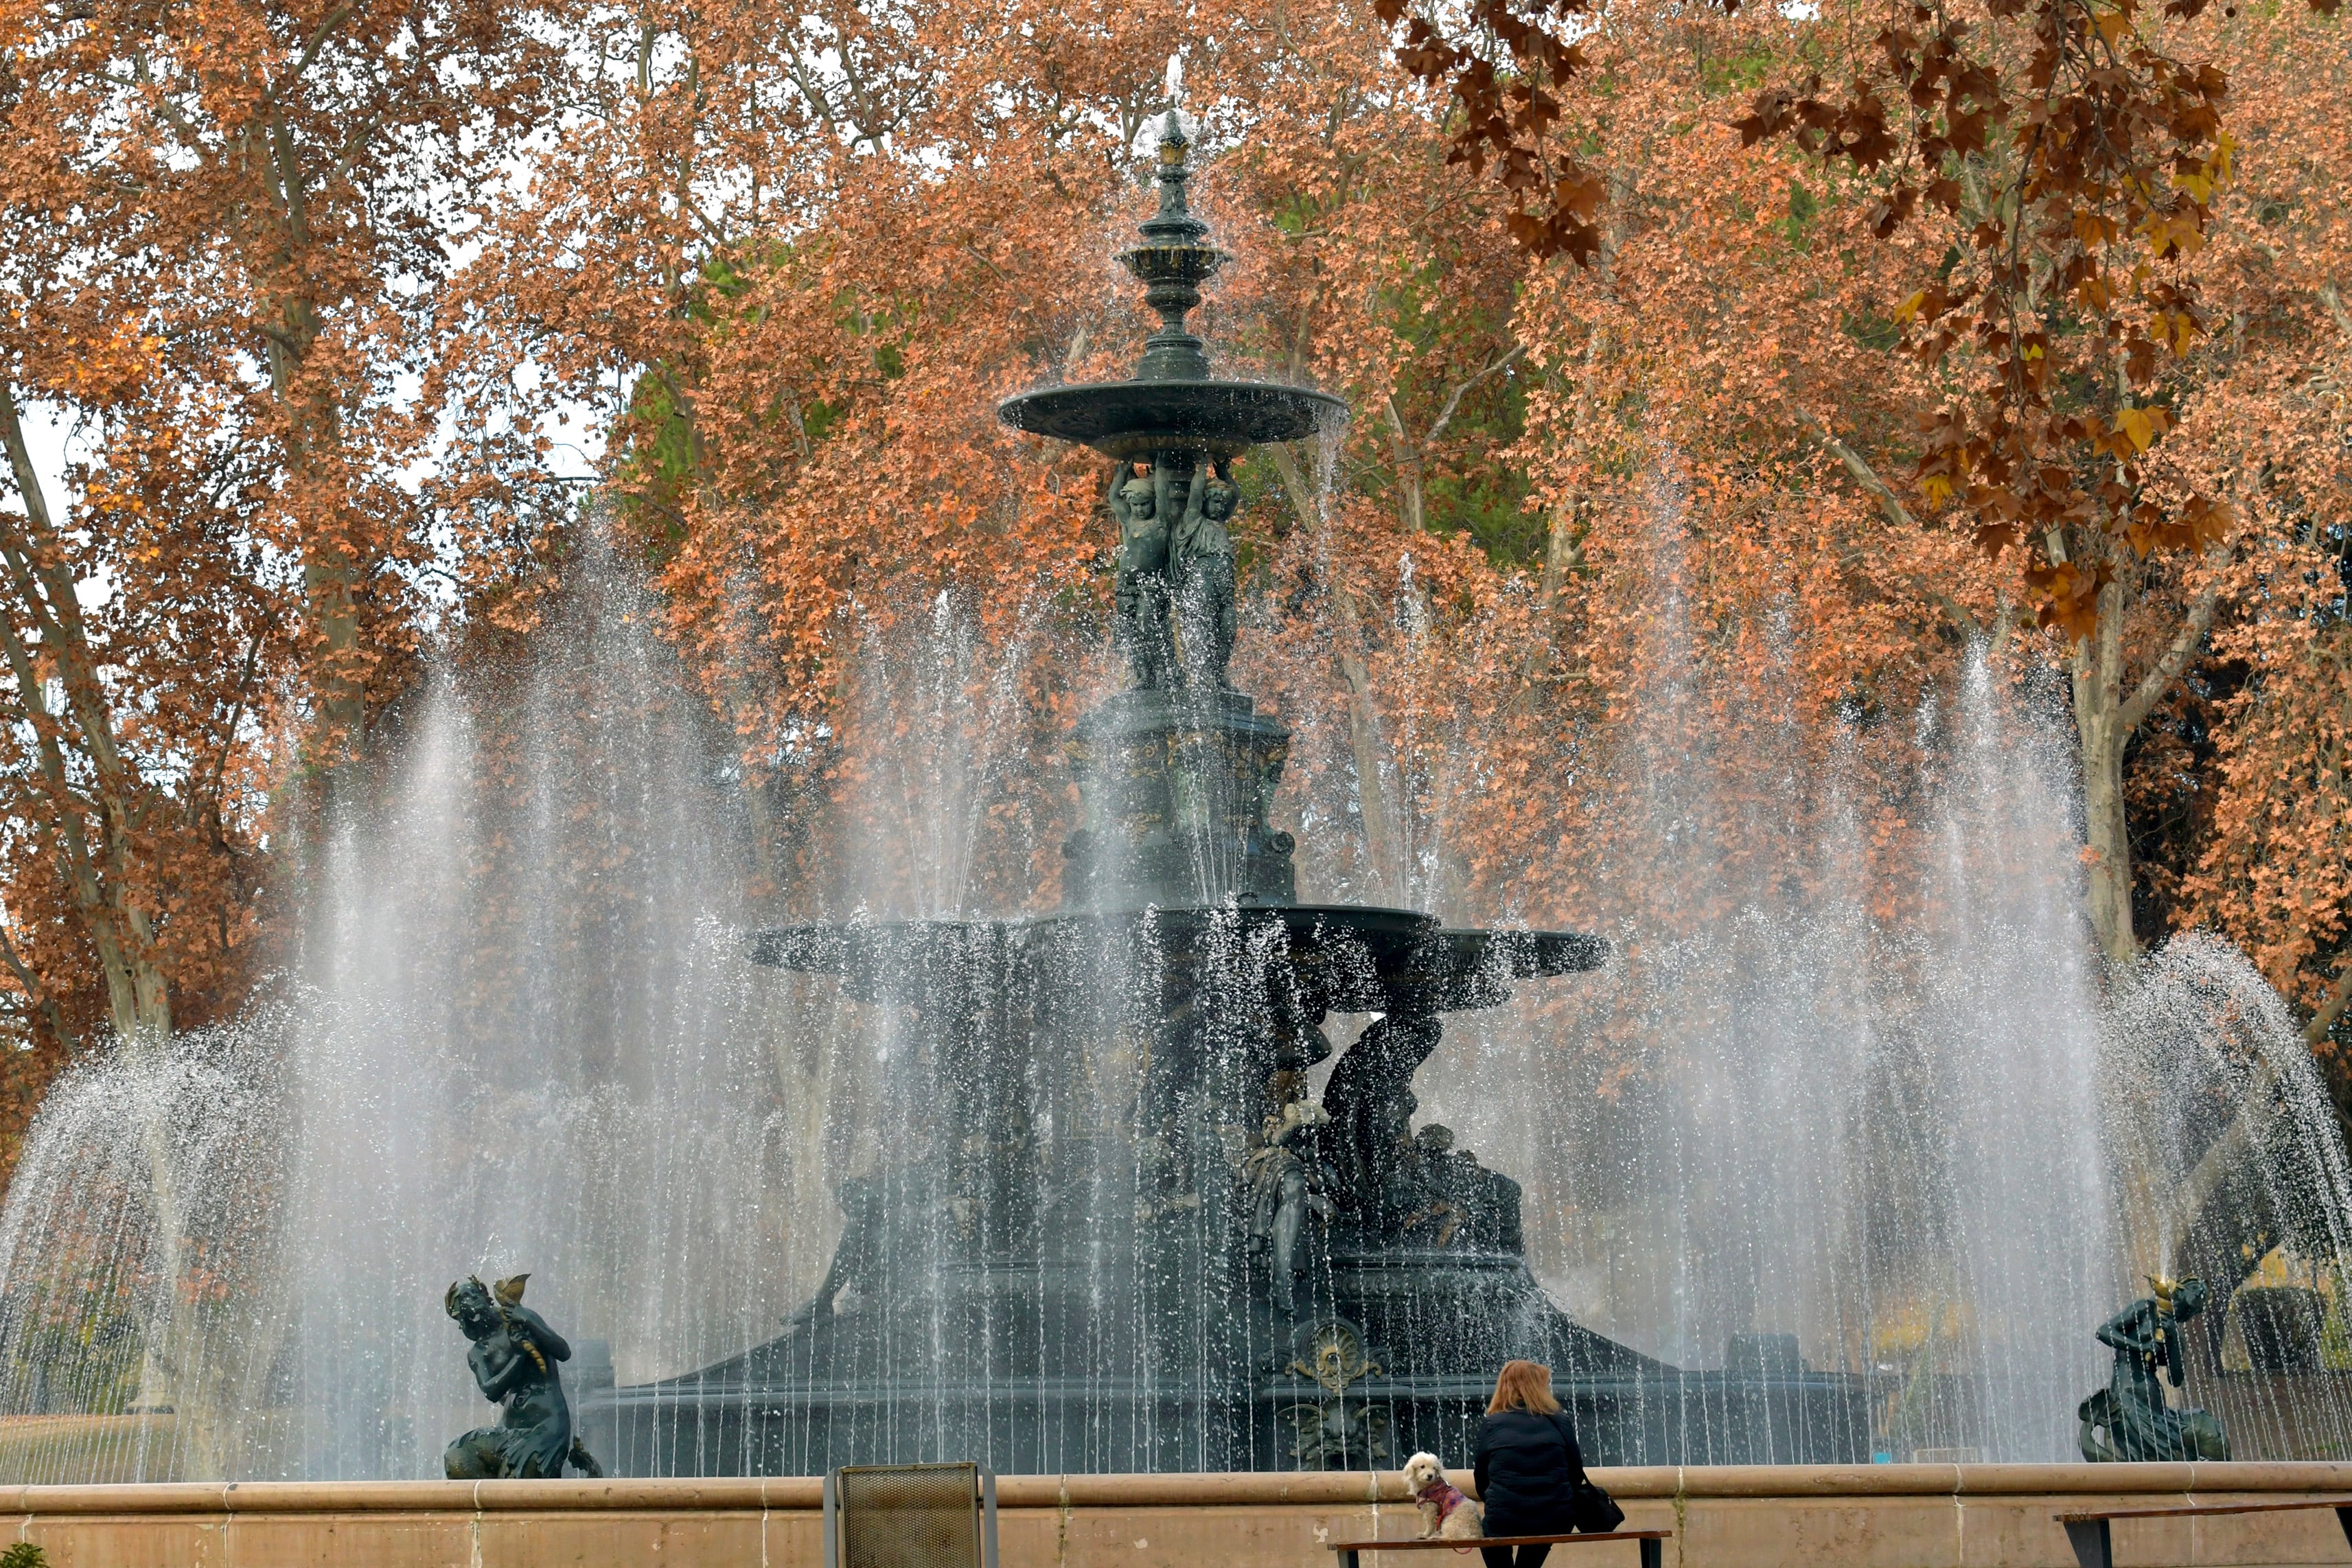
1828,1516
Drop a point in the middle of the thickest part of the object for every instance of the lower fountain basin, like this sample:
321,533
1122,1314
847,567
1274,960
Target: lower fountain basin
1135,418
1365,958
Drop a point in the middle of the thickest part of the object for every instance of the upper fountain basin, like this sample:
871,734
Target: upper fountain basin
1137,418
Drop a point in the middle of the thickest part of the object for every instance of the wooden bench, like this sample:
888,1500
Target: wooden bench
1652,1552
2088,1532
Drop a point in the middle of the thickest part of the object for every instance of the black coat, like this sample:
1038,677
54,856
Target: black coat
1528,1468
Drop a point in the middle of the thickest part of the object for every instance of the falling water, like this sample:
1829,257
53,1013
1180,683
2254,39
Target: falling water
1861,1134
529,1043
94,1307
1877,1138
519,1037
2228,1146
2007,1043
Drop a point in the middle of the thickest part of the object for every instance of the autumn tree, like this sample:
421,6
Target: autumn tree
1774,307
1701,410
2065,158
1384,275
2249,763
821,268
226,227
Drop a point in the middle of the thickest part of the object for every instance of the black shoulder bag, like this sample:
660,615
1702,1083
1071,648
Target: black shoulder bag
1591,1510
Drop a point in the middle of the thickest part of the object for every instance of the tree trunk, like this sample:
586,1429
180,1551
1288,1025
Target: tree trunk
91,817
2097,671
93,797
1411,505
1363,719
332,568
329,576
1370,754
1562,554
2105,721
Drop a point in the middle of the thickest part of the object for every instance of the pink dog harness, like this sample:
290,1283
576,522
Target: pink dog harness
1446,1496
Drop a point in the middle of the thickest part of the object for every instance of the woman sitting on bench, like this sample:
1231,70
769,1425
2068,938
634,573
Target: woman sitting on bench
1527,1464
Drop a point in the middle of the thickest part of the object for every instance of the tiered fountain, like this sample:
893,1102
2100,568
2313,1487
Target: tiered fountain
1115,1232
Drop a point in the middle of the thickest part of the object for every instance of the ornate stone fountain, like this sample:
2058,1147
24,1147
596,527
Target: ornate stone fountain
1119,1232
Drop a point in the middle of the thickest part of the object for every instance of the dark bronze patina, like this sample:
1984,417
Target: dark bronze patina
1110,1227
513,1358
1171,404
2129,1419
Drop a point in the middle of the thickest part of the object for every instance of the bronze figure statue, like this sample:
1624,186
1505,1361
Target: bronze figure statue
1139,607
1287,1180
1172,597
1147,1053
858,1253
513,1360
2129,1419
1201,568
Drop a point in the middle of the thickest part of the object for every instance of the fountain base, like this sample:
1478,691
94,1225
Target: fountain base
1075,1261
1393,1358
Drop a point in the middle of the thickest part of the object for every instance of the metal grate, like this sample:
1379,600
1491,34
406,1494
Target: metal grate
913,1516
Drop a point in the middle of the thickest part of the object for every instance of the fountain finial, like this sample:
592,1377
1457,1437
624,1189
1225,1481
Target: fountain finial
1174,259
1171,404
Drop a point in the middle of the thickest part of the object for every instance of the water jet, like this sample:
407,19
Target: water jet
1120,1235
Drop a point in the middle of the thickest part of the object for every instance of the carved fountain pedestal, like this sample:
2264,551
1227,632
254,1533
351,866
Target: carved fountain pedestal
1175,786
1110,1227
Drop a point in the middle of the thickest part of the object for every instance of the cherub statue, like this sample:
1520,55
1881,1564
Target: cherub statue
1201,567
1287,1180
513,1360
1139,595
2129,1419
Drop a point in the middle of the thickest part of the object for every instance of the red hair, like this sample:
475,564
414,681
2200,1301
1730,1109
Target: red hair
1523,1385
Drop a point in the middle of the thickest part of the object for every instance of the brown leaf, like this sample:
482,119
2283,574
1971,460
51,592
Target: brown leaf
1769,116
1888,215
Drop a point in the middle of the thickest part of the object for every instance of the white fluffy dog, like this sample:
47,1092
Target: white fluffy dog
1445,1513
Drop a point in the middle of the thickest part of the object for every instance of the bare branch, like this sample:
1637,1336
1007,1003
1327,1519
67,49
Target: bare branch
37,993
1461,389
20,464
2334,303
2175,659
173,114
1896,513
1294,481
2338,998
335,19
352,147
1863,474
56,607
209,796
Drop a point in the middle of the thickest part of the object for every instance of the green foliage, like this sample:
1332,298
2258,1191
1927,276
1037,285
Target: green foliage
663,455
76,1348
1743,71
1804,207
2335,1345
1489,504
1871,329
24,1554
1467,487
